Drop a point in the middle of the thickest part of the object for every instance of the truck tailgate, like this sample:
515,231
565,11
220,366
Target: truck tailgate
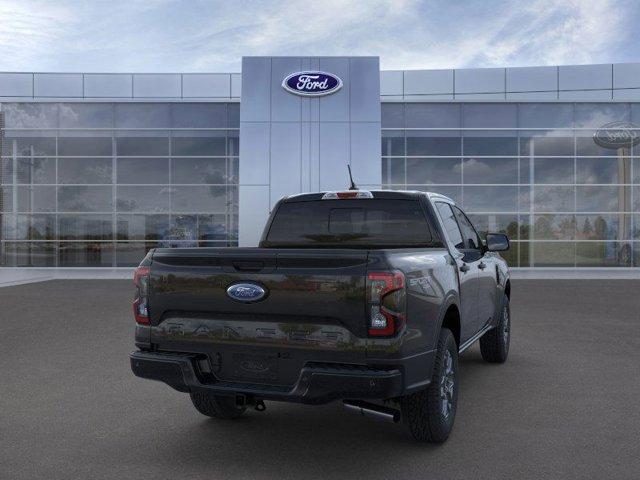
314,309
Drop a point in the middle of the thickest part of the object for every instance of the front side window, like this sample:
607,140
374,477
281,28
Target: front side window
450,224
471,239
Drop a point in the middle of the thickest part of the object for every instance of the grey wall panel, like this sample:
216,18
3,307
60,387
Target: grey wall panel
314,157
285,166
626,75
364,84
428,82
586,95
584,77
520,83
157,85
335,147
284,106
236,85
206,85
108,85
427,98
253,212
532,96
479,80
305,112
313,105
391,82
365,154
395,98
335,107
254,152
480,97
532,79
256,89
305,156
630,94
16,84
57,85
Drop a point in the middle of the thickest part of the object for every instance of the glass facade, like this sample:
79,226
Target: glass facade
98,184
531,170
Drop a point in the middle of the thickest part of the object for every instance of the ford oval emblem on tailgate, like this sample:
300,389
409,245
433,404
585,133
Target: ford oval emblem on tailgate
246,292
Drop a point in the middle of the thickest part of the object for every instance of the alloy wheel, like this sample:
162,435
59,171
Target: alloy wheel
447,385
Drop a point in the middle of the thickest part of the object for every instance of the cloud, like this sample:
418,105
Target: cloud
26,30
473,166
537,32
551,33
166,35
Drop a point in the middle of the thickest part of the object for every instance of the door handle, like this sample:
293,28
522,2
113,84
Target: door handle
482,265
464,267
248,266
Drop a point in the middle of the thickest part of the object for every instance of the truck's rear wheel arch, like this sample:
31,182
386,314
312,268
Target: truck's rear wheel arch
451,320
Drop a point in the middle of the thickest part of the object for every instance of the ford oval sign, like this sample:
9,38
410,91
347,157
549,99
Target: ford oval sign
312,84
246,292
617,135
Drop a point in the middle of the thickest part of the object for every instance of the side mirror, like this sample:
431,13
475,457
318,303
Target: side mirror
497,242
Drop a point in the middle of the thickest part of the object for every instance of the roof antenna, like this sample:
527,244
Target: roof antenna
353,185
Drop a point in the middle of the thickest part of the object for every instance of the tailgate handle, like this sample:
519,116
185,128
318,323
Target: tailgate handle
246,266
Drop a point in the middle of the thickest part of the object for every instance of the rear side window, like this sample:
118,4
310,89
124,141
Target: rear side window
365,223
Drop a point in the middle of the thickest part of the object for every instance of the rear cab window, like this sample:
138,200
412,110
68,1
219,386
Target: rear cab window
352,223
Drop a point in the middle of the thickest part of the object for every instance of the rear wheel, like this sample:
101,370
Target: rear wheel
494,345
429,414
216,406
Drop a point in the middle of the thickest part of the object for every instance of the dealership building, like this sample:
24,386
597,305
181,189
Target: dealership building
98,168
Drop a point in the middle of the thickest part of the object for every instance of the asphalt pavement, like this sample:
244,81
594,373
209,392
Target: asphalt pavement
564,406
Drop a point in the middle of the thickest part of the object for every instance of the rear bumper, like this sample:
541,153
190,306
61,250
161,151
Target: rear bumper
317,383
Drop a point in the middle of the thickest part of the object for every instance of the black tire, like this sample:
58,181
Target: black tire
425,413
494,345
216,406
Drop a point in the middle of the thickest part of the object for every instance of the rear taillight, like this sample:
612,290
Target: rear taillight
386,297
141,300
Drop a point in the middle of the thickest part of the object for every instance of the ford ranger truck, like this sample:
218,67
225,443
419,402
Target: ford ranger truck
365,297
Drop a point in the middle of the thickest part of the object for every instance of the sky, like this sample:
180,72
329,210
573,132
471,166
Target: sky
212,36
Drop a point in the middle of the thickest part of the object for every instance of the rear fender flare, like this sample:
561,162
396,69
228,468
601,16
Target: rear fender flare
451,298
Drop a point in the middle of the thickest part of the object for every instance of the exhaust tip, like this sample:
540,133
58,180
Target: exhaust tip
378,412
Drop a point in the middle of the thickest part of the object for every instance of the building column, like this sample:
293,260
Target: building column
291,144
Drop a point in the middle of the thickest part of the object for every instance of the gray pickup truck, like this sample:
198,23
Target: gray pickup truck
367,297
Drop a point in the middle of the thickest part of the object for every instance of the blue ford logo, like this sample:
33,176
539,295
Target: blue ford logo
312,84
246,292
